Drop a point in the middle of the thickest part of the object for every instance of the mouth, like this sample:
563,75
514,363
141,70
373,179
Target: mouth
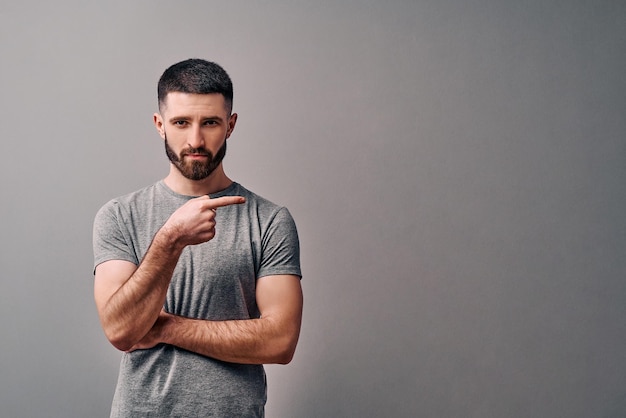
196,156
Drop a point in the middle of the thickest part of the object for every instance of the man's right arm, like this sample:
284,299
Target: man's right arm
129,298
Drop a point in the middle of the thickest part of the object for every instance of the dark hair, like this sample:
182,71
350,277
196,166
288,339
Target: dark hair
196,76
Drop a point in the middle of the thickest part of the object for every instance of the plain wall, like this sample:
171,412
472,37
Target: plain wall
456,170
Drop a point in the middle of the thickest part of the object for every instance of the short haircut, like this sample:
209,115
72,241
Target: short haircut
196,76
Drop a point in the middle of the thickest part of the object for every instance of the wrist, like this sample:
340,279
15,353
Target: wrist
167,324
169,240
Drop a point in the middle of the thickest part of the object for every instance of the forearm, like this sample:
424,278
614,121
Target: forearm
253,341
132,310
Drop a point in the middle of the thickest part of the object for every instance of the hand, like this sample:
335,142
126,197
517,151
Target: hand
194,222
155,335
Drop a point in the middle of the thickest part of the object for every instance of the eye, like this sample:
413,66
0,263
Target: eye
179,123
210,122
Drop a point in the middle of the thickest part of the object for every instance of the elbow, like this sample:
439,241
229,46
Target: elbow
285,351
285,343
121,345
285,358
120,340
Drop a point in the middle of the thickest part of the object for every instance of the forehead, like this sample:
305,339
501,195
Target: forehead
191,103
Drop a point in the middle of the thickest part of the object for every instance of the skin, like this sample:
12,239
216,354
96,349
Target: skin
130,298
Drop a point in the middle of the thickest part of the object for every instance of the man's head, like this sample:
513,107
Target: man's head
195,116
195,76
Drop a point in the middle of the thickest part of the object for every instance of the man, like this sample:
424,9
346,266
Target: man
197,279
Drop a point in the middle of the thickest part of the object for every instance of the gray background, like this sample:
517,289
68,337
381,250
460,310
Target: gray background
456,170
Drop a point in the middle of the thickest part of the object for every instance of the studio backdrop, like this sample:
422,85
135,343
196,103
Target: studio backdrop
456,170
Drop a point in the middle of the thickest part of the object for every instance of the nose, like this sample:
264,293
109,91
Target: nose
195,139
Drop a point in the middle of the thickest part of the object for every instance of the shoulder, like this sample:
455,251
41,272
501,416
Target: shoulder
255,199
126,203
136,197
139,196
260,206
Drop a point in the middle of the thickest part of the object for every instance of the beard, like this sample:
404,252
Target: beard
195,170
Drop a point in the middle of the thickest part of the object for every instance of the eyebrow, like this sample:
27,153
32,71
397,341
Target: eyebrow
176,118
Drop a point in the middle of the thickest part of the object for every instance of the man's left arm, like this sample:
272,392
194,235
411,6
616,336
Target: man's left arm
272,338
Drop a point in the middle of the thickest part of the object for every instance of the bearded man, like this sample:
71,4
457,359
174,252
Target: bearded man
197,279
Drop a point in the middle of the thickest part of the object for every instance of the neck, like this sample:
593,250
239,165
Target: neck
216,182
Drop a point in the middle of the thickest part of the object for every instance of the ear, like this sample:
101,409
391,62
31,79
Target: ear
231,124
158,124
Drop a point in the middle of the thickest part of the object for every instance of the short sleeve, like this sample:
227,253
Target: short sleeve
280,246
110,237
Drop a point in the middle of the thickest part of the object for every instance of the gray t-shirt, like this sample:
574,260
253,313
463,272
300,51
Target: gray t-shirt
215,281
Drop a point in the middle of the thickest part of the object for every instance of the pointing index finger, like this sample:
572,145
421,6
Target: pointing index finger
219,202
